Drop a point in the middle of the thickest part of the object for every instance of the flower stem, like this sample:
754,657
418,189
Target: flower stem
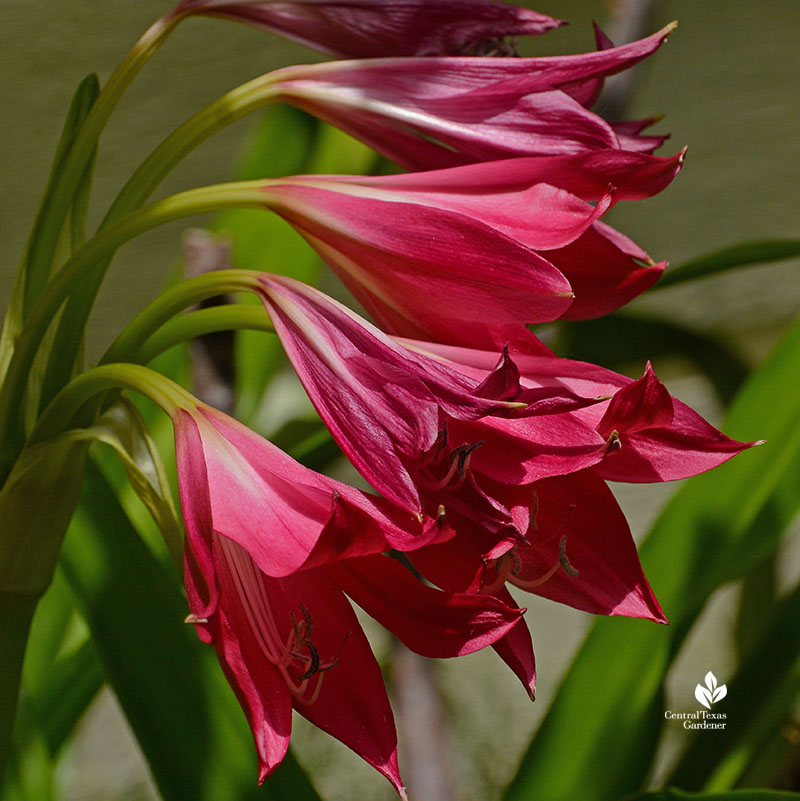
81,268
183,140
180,329
67,404
224,111
173,301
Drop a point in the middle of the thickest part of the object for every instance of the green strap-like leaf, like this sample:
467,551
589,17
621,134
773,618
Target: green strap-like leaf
84,98
599,736
74,681
123,429
180,707
731,258
758,703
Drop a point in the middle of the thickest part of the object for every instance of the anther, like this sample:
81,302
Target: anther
563,560
308,629
534,522
613,443
314,664
462,453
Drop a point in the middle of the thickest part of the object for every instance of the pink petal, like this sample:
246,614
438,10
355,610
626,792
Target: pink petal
661,439
406,256
364,28
352,704
641,404
429,113
608,577
199,564
605,270
257,683
431,622
687,447
278,510
381,403
522,450
516,650
634,176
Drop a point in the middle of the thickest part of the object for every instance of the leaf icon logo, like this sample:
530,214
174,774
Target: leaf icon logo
712,692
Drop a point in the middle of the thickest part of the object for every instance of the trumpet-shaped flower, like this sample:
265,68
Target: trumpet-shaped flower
577,548
365,28
506,242
427,437
427,113
271,550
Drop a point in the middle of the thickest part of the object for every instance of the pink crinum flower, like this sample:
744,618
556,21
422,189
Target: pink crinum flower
366,28
271,550
578,548
428,113
507,242
522,488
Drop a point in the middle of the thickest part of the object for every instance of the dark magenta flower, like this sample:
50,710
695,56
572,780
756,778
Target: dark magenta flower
428,113
368,28
506,242
577,548
271,550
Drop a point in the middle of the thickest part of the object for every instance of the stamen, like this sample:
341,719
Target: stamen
563,560
505,569
308,630
249,584
533,583
613,443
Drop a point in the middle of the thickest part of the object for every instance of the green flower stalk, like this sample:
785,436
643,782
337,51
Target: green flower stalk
83,268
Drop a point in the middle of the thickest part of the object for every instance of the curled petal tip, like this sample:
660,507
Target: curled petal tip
668,29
